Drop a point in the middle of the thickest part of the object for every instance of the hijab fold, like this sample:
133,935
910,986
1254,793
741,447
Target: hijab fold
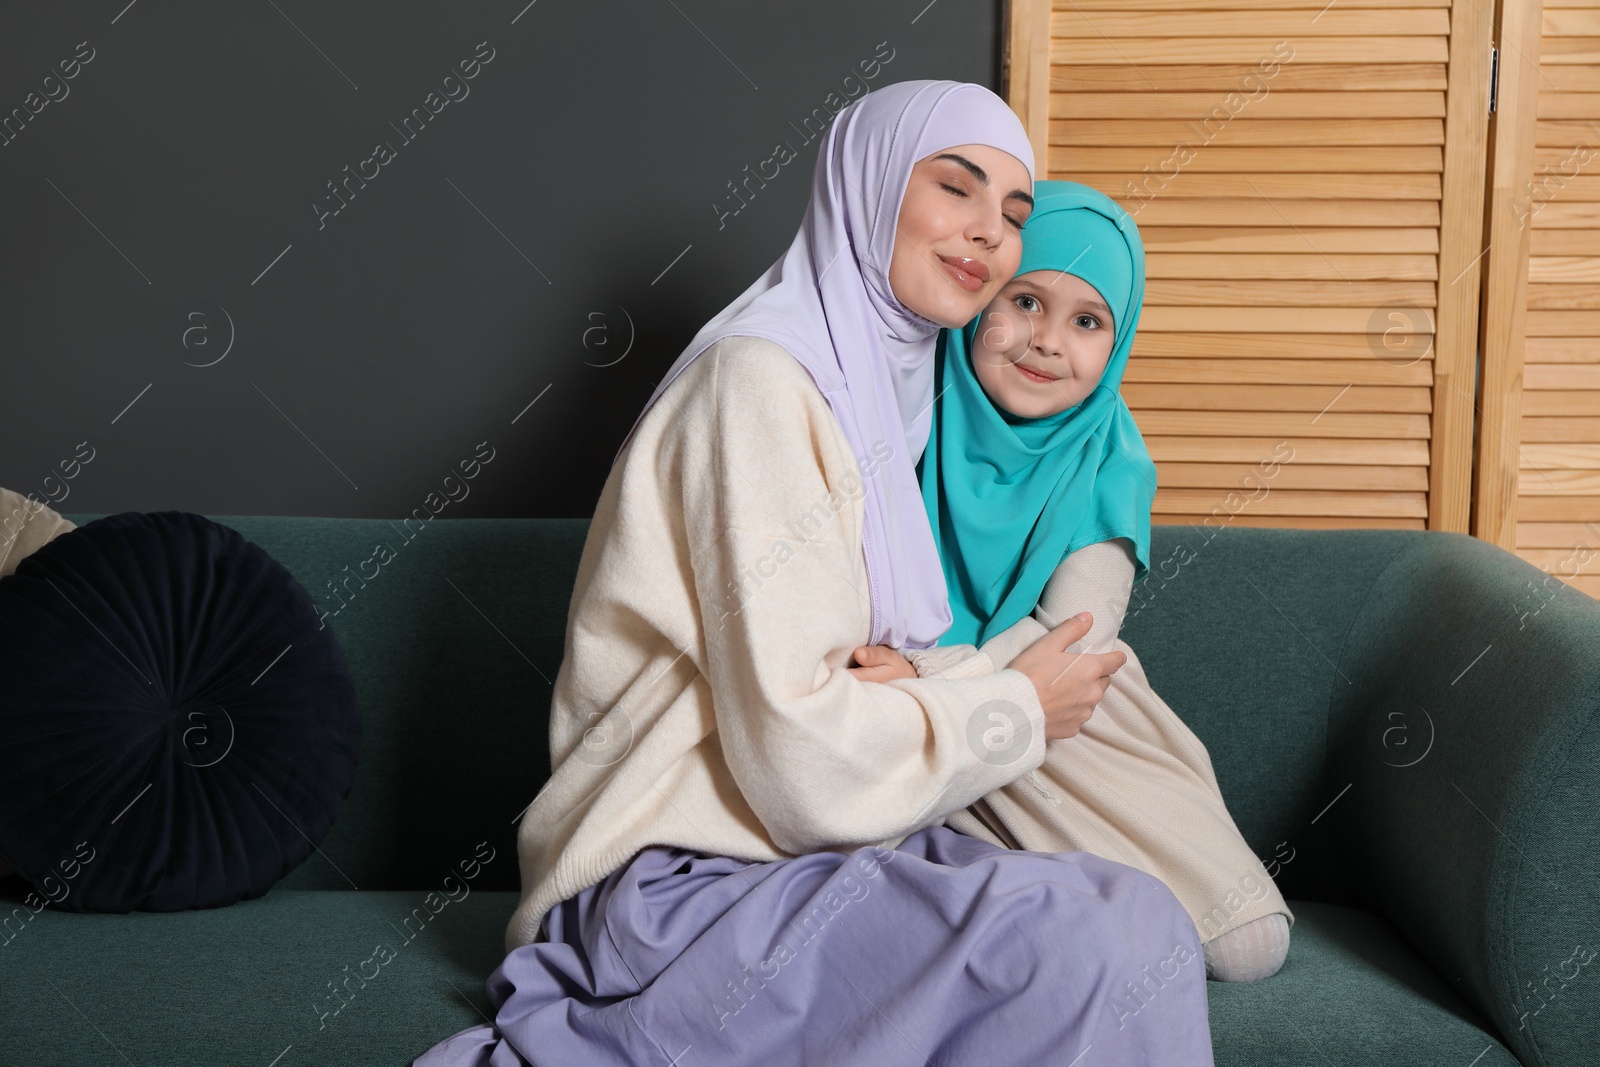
1008,498
827,301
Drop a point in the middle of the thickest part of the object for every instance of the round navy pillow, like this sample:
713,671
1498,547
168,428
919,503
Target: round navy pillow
178,728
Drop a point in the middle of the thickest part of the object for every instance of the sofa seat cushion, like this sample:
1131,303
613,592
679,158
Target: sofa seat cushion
243,984
250,982
1351,992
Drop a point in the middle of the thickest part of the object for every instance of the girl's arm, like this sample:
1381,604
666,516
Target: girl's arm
1097,578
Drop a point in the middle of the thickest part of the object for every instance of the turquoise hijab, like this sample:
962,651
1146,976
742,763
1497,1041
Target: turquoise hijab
1009,498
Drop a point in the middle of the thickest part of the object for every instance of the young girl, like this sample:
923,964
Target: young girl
1038,487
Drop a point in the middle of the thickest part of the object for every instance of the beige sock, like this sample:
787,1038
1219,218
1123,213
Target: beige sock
1250,952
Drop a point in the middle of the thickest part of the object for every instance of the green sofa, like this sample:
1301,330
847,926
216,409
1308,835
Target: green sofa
1403,724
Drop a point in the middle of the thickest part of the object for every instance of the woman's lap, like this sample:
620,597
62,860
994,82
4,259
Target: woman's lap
946,950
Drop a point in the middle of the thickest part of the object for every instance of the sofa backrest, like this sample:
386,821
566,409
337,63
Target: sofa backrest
455,635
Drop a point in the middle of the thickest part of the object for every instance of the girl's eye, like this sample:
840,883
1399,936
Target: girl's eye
1087,322
1025,302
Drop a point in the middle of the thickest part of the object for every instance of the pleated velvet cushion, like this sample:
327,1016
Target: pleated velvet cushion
177,729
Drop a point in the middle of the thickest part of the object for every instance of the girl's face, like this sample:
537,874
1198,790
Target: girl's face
1043,343
958,240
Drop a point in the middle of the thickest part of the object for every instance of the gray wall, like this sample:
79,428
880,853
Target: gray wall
189,307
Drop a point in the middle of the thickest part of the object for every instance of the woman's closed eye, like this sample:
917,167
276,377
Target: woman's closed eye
1016,224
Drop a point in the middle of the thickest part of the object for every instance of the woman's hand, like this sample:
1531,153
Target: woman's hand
1069,684
880,663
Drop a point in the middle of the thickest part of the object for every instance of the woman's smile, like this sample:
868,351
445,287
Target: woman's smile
970,274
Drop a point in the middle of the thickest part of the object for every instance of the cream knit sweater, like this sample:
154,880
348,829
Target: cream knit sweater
703,700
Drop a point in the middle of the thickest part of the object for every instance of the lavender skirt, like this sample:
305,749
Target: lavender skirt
946,950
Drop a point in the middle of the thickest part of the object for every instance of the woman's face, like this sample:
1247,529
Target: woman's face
1043,343
958,239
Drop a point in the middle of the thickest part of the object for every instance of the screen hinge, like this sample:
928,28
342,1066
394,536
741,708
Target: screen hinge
1494,77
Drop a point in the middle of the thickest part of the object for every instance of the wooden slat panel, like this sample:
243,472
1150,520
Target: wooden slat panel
1296,475
1563,296
1561,483
1563,133
1286,249
1553,184
1190,23
1299,502
1564,269
1572,23
1287,239
1563,535
1567,215
1407,159
1333,424
1561,457
1251,7
1275,319
1563,562
1198,293
1559,51
1166,211
1247,105
1563,324
1227,78
1279,133
1568,105
1272,186
1564,242
1553,349
1337,372
1317,450
1113,51
1545,479
1302,522
1569,79
1558,508
1563,402
1230,345
1558,430
1560,160
1336,267
1277,398
1562,376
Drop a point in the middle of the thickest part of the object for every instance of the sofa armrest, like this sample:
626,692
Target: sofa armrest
1465,724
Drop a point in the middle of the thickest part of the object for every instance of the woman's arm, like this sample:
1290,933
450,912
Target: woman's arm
771,501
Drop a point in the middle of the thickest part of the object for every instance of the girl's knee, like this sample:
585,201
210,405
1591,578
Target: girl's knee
1250,952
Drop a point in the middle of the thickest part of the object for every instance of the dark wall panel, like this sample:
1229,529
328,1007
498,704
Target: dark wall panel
188,300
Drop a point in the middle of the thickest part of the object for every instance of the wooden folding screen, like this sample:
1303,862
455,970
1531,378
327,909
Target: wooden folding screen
1538,477
1308,178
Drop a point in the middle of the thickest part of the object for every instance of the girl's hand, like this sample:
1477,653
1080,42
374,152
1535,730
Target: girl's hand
880,663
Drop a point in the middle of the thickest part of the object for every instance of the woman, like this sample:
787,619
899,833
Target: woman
738,857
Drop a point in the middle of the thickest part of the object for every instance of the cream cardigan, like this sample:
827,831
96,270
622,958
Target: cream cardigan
703,699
